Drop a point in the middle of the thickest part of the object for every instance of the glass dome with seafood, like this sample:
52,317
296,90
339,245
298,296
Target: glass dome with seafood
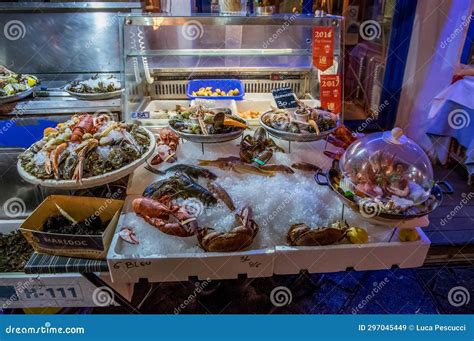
388,166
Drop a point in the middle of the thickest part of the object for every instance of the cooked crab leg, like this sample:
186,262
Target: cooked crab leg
55,154
82,151
221,194
47,162
202,125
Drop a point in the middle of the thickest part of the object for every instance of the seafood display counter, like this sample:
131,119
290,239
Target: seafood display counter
237,157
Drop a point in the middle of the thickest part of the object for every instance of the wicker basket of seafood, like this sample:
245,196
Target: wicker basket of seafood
202,125
305,124
15,86
95,88
85,151
386,176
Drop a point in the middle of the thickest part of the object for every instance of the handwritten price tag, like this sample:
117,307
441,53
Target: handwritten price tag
251,263
330,93
323,47
284,98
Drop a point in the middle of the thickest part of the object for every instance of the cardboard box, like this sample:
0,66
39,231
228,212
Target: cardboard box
19,290
81,208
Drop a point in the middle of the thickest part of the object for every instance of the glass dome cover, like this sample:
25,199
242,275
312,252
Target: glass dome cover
388,166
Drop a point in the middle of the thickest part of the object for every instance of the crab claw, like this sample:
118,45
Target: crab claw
128,235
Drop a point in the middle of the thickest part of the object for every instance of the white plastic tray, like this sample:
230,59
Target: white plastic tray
129,265
163,105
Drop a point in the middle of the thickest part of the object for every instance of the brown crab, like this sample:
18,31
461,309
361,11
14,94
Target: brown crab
303,235
236,239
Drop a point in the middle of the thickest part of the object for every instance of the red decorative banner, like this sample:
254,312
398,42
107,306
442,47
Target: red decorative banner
323,47
330,93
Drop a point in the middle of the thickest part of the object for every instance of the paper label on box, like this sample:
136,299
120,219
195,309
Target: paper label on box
61,241
330,93
323,47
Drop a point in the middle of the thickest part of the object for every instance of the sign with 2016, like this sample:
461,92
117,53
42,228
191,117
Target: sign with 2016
323,47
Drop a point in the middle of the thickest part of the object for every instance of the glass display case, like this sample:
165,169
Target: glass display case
161,54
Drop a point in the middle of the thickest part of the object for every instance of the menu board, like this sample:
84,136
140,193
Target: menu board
285,98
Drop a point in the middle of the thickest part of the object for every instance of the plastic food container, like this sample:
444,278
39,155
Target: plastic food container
256,106
221,84
388,166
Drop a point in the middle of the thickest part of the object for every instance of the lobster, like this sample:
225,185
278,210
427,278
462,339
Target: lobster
85,125
169,218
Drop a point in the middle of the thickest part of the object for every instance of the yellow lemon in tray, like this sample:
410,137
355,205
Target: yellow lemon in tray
408,235
357,235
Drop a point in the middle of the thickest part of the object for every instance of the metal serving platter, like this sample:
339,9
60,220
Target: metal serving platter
430,205
294,137
214,138
93,181
92,97
16,97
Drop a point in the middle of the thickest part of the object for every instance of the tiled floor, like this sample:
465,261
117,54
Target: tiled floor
397,291
453,238
460,227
